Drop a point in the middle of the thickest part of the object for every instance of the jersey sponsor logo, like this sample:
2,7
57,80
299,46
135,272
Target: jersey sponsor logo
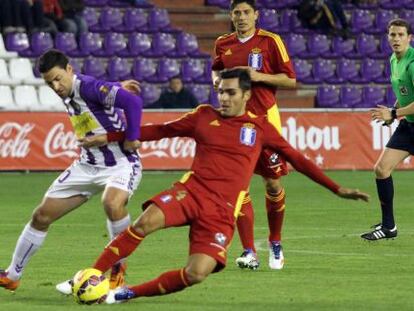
255,59
166,198
228,52
274,160
403,90
215,123
248,134
220,238
83,124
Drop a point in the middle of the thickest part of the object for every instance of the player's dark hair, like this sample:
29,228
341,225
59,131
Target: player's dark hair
234,3
400,23
245,82
50,59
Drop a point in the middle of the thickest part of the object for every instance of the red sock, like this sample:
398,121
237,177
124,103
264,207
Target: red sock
166,283
275,205
120,247
245,224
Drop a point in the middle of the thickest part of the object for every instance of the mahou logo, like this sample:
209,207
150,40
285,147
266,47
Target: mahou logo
13,139
313,137
60,143
176,147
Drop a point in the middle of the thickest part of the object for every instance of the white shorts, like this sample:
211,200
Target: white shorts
85,179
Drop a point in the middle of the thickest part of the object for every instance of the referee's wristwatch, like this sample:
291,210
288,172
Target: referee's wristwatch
394,113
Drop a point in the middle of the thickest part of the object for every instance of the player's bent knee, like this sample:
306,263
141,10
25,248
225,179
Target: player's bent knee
195,276
381,171
273,185
41,219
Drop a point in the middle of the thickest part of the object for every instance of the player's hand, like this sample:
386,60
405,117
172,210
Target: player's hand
93,141
381,114
131,86
132,145
352,194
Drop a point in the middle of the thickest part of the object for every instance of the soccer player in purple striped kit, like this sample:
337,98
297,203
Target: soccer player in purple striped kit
94,107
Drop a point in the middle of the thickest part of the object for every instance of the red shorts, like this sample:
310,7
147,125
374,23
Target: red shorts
271,165
211,225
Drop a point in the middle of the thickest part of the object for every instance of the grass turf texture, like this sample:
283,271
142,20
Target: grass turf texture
328,267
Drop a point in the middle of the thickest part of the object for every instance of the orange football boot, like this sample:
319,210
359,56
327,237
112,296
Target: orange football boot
6,283
117,278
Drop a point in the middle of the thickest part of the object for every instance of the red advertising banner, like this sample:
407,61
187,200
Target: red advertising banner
333,140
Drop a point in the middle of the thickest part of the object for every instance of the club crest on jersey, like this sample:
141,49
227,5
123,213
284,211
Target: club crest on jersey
248,134
403,90
255,60
220,238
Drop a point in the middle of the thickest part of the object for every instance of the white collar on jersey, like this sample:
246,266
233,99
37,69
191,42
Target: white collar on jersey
243,40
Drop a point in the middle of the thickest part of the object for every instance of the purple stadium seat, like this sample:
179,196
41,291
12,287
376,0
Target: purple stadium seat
113,43
191,69
133,20
268,20
340,47
17,42
201,92
150,93
317,45
224,4
366,45
90,42
393,4
280,4
303,69
167,68
39,43
144,68
390,97
322,70
138,43
76,65
327,96
408,15
118,69
384,49
346,71
382,17
371,70
91,16
186,45
206,77
66,42
296,44
96,3
350,96
385,78
285,21
361,20
110,19
94,67
161,45
159,20
372,96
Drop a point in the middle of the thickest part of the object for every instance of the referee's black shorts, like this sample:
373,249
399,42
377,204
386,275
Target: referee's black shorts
403,137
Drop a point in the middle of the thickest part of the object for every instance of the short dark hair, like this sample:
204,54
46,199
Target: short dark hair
400,23
175,77
50,59
245,82
234,3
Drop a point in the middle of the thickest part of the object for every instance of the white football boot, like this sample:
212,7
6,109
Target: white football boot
65,287
276,258
248,259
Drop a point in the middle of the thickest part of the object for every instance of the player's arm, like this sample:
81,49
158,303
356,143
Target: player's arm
275,141
217,66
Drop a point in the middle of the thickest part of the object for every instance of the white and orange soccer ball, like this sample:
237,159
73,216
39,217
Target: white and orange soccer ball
90,286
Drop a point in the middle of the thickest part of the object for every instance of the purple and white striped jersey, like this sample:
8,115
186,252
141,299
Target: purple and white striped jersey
97,107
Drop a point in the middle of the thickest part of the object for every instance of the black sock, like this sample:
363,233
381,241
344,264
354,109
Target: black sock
385,189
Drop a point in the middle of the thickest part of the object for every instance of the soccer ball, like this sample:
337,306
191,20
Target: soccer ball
90,286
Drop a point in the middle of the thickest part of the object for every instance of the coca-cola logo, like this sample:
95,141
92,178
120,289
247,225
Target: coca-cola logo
60,143
176,147
13,139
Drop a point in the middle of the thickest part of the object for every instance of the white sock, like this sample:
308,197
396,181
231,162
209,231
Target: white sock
28,243
116,227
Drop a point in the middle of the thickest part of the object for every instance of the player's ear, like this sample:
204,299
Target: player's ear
69,68
247,94
256,15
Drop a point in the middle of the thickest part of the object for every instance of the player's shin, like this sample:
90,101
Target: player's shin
121,247
167,283
245,225
275,206
385,188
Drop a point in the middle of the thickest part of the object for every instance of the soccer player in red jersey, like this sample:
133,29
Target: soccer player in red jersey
265,56
208,199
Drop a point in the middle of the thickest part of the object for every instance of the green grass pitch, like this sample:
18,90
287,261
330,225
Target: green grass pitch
328,267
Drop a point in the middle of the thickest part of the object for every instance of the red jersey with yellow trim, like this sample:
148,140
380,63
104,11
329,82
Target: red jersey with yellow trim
227,151
266,53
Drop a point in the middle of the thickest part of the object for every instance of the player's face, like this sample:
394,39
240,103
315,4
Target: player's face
244,19
176,85
60,80
232,98
399,39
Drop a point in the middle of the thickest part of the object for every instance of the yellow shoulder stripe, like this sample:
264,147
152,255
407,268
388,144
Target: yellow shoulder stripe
279,43
224,36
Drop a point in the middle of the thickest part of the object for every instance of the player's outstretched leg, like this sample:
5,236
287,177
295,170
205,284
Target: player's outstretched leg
245,226
379,233
8,283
